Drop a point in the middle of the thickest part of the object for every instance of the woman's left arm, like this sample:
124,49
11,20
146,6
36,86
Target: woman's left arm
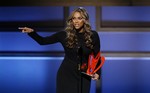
96,48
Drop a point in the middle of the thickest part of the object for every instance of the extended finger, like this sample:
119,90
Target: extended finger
22,28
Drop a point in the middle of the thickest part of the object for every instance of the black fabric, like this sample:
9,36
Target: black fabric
69,78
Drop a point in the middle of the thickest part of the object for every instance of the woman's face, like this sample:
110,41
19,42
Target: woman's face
78,21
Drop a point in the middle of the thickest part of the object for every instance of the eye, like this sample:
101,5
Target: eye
73,18
80,18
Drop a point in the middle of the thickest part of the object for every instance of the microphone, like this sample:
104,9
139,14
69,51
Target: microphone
80,51
79,56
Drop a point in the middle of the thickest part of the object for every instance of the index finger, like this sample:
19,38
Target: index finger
21,27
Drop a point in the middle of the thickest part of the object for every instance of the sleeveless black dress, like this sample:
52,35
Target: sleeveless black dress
69,77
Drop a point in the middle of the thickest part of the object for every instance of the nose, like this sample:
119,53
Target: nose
76,20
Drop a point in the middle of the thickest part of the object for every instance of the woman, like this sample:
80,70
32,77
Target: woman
79,41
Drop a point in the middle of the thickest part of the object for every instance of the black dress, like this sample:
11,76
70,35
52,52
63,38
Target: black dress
69,77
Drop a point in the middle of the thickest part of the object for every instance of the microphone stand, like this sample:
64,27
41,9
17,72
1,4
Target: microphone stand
79,67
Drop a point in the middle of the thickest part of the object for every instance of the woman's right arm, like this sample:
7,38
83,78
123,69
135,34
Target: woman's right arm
41,40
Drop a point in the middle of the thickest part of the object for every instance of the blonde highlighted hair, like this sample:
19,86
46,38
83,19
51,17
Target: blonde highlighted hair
71,33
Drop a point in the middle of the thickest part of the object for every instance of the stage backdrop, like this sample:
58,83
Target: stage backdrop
26,67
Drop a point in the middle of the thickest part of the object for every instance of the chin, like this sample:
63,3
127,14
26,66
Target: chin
77,28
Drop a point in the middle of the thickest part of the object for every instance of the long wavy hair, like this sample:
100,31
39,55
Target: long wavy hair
71,32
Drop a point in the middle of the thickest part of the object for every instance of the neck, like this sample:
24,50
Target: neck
80,30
